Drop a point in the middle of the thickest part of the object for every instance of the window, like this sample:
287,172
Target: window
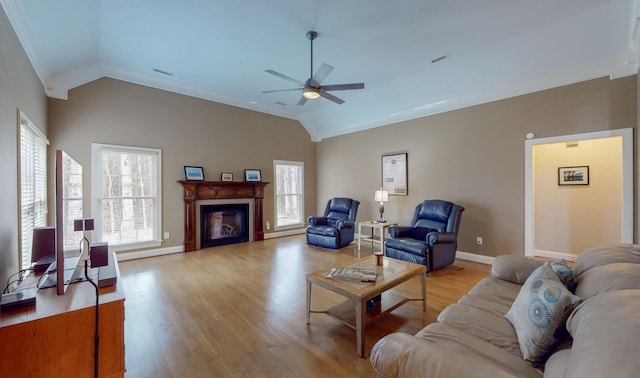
126,195
33,185
289,177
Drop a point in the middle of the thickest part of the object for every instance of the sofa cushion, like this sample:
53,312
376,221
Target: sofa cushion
605,332
440,350
608,277
539,312
496,290
514,268
482,322
598,256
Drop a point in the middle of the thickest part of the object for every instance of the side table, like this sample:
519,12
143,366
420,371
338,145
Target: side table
373,225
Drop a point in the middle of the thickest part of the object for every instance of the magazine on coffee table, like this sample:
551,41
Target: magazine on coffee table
353,274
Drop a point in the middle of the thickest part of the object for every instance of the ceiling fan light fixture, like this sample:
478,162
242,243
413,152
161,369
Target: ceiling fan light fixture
310,93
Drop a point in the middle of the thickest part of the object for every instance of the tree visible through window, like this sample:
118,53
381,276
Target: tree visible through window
289,177
126,194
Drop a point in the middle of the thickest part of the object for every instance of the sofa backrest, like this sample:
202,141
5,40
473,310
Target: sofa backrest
606,325
601,269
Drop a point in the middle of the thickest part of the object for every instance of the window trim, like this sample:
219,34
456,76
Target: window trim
275,196
96,185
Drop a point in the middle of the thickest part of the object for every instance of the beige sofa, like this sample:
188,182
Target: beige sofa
473,338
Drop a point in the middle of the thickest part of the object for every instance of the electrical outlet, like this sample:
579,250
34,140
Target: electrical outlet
479,240
268,225
166,235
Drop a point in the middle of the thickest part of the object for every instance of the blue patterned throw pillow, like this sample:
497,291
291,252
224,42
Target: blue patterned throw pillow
539,313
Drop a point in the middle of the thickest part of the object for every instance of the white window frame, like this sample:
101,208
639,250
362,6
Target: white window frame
96,194
276,163
36,214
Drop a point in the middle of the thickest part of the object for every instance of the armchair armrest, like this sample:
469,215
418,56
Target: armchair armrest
345,223
514,268
400,231
317,221
441,237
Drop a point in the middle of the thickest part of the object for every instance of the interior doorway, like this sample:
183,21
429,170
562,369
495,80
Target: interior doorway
561,217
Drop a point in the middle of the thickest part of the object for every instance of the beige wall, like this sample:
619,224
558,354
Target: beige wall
569,219
472,156
190,131
20,89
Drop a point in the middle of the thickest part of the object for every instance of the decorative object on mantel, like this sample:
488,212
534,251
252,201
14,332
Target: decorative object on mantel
573,175
193,173
382,196
252,175
226,177
394,174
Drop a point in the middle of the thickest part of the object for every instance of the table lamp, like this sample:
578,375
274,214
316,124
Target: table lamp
381,195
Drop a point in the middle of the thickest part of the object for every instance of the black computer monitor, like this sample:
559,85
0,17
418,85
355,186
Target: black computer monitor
43,248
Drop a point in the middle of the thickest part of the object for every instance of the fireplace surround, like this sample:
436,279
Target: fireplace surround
195,191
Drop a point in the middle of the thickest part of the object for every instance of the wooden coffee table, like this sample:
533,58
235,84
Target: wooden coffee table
353,312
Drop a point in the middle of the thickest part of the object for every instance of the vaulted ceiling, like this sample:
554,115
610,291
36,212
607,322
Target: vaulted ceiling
416,57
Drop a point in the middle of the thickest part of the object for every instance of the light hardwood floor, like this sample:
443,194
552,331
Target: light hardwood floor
239,311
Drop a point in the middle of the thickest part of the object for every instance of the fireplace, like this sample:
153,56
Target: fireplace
206,192
223,224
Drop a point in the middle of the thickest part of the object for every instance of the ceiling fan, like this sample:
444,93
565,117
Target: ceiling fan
312,88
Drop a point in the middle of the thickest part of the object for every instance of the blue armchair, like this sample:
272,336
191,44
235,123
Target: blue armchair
335,229
431,239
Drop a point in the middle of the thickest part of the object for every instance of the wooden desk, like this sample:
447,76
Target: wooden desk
373,225
55,338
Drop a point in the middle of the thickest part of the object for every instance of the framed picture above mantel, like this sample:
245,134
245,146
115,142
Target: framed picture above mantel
394,174
252,175
192,173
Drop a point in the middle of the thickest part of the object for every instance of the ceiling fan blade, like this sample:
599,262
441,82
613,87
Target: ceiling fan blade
282,90
342,87
331,97
303,100
321,74
285,77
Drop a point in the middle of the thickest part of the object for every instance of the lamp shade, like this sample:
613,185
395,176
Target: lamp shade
381,195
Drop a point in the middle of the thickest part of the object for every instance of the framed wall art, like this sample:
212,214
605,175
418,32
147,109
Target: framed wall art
252,175
573,175
193,173
226,176
394,174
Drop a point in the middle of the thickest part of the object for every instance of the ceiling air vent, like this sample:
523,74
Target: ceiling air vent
162,72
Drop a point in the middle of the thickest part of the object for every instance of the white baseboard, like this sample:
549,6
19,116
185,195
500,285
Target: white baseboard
279,234
124,256
554,255
488,260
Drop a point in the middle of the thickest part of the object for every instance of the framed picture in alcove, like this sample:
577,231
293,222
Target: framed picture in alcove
573,175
